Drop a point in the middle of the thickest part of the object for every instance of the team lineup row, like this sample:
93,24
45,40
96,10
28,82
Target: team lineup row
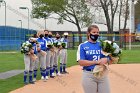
45,53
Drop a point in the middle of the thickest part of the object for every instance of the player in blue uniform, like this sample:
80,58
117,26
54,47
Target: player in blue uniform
35,64
49,59
28,61
41,54
88,55
57,41
52,55
63,54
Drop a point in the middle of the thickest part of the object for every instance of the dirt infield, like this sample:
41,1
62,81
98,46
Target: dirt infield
124,78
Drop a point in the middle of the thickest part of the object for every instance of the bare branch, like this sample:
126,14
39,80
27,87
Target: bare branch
71,21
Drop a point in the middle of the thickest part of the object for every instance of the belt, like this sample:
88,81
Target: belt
88,69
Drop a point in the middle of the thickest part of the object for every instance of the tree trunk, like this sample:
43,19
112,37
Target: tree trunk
120,37
125,22
112,30
108,25
126,15
79,33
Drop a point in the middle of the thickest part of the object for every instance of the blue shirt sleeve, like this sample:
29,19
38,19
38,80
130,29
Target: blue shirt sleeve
81,53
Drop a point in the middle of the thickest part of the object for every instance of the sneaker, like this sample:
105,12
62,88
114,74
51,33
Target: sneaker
46,77
25,83
34,79
65,72
31,82
42,78
58,74
53,74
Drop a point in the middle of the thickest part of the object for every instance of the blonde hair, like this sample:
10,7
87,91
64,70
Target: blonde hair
90,29
40,32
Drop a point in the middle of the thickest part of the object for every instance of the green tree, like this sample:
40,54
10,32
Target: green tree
109,8
74,11
137,12
123,13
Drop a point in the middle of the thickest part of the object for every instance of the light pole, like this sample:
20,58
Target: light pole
45,22
20,23
28,15
20,29
2,1
132,21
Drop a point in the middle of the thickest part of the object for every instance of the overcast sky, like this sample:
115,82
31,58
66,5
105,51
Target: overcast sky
12,18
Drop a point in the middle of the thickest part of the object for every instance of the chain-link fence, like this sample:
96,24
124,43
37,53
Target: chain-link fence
125,40
12,37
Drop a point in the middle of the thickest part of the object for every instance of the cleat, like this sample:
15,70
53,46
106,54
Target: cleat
58,74
42,78
31,82
65,72
34,79
46,77
52,76
25,83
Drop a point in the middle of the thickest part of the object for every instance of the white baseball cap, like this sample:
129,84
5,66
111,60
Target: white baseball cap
66,33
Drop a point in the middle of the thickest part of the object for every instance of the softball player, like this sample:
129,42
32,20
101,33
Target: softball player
88,55
41,55
52,56
28,67
49,57
63,54
33,41
57,42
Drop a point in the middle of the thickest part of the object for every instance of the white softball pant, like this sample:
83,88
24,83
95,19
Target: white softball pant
48,59
42,60
56,56
29,65
94,85
63,56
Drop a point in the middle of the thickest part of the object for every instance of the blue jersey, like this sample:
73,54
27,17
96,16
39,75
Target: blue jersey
89,51
42,43
57,40
65,40
52,40
48,40
35,48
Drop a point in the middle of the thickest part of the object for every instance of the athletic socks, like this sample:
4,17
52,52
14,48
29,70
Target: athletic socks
25,76
47,71
64,67
44,73
30,76
35,73
55,68
41,71
51,71
61,67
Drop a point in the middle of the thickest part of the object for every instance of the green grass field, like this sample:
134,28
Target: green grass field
15,61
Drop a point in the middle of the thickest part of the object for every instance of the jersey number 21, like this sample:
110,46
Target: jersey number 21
96,58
